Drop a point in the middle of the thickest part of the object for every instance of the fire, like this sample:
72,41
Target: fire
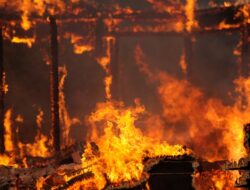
245,11
122,147
7,160
79,43
227,4
183,63
114,132
180,99
25,7
28,7
40,147
28,41
104,62
8,139
65,119
217,123
219,180
223,25
5,85
189,11
170,7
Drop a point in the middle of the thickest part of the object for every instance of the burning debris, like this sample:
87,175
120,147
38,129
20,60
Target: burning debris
123,150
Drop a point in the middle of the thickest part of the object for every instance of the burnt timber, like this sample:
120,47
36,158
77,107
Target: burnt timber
54,91
2,145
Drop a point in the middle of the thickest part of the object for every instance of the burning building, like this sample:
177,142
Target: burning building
111,94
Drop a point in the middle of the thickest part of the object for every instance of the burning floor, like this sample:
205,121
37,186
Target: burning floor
172,134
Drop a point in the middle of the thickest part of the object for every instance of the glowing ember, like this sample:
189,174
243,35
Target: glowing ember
219,180
183,63
28,41
79,44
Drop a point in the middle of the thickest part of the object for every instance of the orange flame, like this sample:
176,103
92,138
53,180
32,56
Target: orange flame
180,100
219,180
65,119
182,62
8,139
40,146
7,161
79,45
190,16
104,62
122,146
28,41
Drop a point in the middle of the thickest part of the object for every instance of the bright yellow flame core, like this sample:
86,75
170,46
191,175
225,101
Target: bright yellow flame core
190,15
7,160
122,146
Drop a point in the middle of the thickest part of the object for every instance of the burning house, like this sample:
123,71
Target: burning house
121,94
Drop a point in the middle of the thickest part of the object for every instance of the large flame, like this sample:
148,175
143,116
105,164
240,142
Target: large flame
122,147
194,120
215,122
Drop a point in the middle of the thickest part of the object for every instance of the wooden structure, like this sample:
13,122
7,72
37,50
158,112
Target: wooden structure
208,22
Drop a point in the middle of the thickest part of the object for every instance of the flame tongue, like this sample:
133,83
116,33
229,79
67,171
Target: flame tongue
121,146
205,119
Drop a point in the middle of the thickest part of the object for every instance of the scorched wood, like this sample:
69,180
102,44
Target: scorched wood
54,91
2,146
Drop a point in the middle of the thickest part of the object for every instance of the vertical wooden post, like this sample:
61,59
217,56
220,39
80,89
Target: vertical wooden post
54,91
2,131
115,69
99,41
188,48
245,57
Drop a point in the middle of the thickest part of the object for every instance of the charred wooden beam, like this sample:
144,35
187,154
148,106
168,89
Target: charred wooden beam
115,69
213,16
172,33
207,16
2,145
245,50
54,91
100,30
188,50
